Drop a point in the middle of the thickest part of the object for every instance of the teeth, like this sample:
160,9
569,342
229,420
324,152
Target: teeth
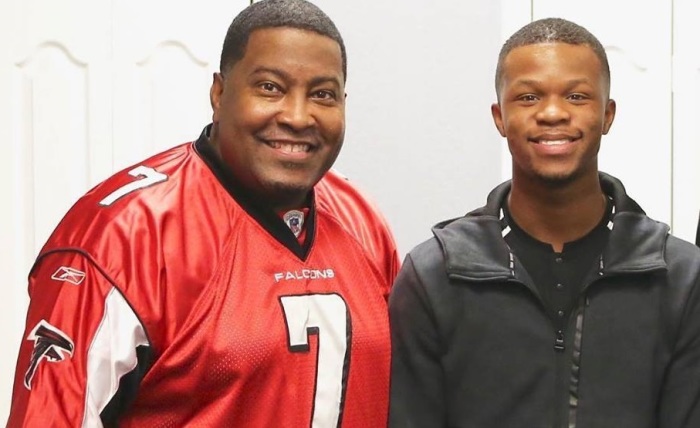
553,142
291,148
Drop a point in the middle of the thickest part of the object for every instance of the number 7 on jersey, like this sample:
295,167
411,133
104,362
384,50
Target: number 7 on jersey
145,177
327,316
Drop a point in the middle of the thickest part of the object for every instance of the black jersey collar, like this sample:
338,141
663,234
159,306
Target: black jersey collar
253,204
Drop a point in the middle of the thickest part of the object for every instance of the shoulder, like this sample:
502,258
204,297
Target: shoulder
146,184
681,254
134,208
341,202
340,199
427,256
158,228
338,195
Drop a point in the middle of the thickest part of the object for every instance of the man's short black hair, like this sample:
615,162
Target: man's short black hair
552,30
298,14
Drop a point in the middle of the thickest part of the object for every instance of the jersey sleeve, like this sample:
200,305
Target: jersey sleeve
83,351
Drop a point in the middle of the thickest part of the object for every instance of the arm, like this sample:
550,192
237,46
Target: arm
416,374
77,363
679,404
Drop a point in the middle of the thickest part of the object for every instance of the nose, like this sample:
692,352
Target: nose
296,111
553,110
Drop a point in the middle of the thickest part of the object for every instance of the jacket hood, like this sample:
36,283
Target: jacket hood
474,247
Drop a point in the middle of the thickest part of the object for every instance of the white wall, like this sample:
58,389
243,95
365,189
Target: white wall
420,138
94,85
686,115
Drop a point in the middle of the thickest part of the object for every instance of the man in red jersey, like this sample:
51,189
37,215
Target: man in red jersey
231,281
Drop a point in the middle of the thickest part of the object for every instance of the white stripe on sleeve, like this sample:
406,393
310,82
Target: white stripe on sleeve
112,354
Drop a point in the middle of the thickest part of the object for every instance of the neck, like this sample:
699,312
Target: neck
557,215
283,205
277,198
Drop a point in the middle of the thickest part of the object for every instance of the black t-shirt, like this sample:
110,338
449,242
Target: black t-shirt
559,276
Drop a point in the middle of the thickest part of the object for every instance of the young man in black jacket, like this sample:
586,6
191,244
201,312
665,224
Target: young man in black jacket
559,303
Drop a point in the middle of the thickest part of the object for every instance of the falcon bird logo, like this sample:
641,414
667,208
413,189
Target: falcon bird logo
50,344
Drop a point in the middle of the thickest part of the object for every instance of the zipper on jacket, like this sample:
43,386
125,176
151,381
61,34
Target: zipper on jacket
575,326
564,360
576,360
559,341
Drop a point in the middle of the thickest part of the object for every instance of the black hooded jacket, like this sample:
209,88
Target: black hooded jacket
473,346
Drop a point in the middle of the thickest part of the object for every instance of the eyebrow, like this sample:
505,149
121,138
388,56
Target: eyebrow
533,82
286,76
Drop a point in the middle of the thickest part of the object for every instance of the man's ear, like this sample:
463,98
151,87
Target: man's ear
498,118
610,109
215,93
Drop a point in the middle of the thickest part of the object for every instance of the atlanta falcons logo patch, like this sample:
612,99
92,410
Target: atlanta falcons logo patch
295,221
50,344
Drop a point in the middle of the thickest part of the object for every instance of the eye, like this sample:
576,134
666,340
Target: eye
577,97
269,87
527,98
323,94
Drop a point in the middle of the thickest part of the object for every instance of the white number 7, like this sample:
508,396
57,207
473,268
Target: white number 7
325,315
145,175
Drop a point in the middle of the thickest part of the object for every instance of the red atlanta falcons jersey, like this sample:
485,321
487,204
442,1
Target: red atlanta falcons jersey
166,297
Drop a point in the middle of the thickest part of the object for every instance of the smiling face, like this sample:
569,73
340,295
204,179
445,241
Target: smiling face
553,109
279,114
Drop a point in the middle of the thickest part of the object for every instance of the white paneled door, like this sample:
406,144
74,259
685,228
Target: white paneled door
55,127
686,118
162,72
76,77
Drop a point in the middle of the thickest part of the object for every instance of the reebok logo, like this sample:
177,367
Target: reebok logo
68,274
